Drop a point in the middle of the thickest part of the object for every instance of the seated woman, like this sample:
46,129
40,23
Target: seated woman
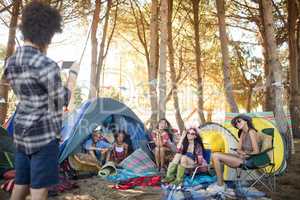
120,148
189,156
162,140
97,146
249,143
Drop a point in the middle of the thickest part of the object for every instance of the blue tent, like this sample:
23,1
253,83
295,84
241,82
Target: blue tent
78,126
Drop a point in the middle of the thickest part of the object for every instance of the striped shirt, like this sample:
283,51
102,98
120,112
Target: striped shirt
35,80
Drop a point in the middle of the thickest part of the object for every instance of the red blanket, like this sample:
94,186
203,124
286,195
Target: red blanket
141,181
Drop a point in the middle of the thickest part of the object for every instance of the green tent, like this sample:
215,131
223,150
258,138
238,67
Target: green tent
6,151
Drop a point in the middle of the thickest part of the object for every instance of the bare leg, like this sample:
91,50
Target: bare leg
162,157
157,156
230,160
39,194
20,192
186,162
176,158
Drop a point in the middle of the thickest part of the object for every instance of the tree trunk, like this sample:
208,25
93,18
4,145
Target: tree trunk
153,63
102,47
163,58
268,97
249,98
294,45
276,73
94,47
225,55
179,120
198,60
4,88
209,115
269,102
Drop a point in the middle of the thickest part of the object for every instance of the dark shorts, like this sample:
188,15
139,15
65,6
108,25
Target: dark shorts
249,163
40,169
190,155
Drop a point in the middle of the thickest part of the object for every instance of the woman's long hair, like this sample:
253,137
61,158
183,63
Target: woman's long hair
168,129
245,118
197,142
127,139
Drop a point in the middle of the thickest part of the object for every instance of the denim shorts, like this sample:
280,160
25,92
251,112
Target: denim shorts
40,169
249,163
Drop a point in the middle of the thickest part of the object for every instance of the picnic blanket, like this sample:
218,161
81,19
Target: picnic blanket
200,179
125,174
139,162
140,181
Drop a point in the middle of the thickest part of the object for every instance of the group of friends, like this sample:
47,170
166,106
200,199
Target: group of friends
189,151
41,94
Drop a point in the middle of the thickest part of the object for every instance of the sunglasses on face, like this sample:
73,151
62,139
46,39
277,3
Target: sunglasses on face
237,122
192,133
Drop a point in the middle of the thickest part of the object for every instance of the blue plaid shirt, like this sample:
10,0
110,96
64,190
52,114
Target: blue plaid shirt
35,80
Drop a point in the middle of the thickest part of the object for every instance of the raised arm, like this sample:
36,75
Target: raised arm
180,142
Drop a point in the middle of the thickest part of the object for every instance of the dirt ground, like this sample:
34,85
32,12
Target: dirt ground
98,189
288,187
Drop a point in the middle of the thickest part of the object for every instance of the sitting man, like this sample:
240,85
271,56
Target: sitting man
98,146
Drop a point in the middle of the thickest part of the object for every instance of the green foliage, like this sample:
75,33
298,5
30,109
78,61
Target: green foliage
112,92
78,97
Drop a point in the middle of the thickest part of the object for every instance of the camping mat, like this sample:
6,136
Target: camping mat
125,174
198,180
145,181
172,193
83,162
139,162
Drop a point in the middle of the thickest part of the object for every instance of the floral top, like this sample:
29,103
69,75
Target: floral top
162,137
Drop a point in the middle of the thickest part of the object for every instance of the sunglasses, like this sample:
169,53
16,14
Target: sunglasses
237,122
192,133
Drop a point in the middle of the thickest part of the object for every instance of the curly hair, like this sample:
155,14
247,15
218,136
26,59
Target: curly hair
39,23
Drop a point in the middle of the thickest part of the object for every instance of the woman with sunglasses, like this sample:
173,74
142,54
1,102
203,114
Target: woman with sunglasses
189,156
249,143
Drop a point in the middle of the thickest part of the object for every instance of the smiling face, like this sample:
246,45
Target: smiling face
191,134
96,136
162,124
240,123
120,137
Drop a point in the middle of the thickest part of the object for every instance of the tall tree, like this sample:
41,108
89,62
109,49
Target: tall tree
153,63
196,22
163,58
179,120
276,73
94,49
269,98
294,58
9,51
220,4
103,47
102,53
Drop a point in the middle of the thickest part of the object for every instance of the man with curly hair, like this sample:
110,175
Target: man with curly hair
35,79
